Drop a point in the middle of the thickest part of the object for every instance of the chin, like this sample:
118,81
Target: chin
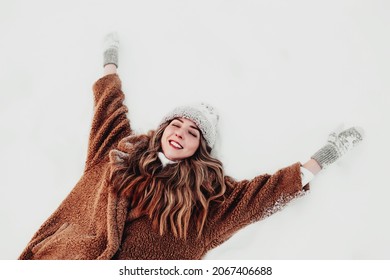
172,156
175,157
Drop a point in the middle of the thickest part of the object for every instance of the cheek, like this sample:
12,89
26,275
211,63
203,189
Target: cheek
163,139
194,145
166,133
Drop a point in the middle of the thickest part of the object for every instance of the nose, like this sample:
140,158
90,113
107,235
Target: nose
179,134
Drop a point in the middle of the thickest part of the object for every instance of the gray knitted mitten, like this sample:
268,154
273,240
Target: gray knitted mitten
111,48
338,144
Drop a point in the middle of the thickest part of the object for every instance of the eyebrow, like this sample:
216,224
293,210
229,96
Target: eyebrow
194,127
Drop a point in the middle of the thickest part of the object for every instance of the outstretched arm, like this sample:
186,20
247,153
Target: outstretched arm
338,144
110,123
250,201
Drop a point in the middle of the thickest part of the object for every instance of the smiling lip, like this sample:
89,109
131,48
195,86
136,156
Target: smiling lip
175,144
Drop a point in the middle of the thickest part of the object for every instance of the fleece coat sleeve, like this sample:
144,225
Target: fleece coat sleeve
249,201
88,224
110,123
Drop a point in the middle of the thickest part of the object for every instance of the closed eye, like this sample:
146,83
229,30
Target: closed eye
193,133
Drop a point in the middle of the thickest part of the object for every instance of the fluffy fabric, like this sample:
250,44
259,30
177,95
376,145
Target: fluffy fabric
94,223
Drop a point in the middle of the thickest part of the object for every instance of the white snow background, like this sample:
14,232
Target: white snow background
282,74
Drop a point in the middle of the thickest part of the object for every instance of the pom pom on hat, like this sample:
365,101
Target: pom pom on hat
203,115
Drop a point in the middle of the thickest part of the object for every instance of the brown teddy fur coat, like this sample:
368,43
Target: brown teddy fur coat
94,223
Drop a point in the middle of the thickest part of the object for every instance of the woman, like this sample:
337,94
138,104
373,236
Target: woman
162,195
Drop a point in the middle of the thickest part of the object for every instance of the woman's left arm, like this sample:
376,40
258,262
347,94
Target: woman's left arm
249,201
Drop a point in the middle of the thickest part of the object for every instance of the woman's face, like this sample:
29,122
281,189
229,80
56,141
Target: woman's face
180,139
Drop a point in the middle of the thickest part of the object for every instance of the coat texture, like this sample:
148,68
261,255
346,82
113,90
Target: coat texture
93,222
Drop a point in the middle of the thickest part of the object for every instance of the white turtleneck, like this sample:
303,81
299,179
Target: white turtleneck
164,160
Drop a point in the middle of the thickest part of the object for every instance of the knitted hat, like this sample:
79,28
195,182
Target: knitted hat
203,115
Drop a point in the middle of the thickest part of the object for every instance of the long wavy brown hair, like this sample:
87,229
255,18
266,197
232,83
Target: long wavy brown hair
172,196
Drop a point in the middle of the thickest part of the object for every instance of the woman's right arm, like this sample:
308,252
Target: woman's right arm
110,123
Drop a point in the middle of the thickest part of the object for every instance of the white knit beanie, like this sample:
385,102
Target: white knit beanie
203,115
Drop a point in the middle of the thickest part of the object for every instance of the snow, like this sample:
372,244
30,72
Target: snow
282,75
